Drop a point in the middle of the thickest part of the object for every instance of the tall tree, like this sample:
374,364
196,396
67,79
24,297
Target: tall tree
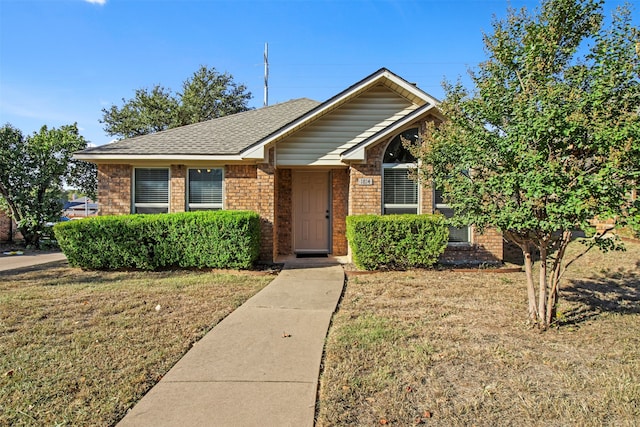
549,137
207,94
33,171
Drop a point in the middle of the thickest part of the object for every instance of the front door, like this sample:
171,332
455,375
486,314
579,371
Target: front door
311,212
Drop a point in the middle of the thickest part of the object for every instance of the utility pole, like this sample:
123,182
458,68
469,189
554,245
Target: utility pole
266,74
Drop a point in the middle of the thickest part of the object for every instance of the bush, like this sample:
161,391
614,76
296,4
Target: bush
396,241
214,239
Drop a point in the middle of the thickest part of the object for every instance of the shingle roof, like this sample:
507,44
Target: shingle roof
225,135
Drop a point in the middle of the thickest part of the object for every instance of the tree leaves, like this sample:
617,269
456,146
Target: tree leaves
33,170
551,131
207,94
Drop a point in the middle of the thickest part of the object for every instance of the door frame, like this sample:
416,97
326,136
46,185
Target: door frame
295,215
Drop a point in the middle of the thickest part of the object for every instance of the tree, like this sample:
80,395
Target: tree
548,139
33,171
206,95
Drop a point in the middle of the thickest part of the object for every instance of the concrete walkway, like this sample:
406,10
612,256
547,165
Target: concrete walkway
260,365
28,259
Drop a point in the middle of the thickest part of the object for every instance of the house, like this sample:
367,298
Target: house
302,165
80,208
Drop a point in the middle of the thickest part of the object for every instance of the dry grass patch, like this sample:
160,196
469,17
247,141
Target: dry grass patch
80,348
446,348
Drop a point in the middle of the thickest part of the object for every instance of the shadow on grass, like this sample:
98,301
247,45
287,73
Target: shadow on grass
59,273
615,292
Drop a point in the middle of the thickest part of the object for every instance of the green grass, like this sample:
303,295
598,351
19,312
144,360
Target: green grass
444,348
80,348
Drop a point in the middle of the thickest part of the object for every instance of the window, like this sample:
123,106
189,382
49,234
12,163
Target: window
151,190
400,192
205,189
456,235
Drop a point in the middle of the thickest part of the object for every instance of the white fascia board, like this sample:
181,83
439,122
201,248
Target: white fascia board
254,153
96,158
412,89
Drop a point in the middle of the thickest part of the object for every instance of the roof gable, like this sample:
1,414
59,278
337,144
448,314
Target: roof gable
382,77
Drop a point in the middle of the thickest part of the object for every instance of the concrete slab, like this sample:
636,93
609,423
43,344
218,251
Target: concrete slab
259,366
18,262
253,344
225,404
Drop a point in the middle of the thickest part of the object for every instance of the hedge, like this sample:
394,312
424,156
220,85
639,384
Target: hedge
215,239
396,241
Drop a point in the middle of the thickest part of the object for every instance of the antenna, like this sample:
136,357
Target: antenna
266,74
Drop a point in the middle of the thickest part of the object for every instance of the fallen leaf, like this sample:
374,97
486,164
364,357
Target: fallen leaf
383,421
427,414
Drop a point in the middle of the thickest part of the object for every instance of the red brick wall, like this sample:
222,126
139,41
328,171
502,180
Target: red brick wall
367,199
114,189
266,208
284,220
241,187
8,228
178,187
252,187
340,210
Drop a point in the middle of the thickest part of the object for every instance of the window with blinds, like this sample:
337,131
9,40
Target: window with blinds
456,234
400,191
151,190
205,189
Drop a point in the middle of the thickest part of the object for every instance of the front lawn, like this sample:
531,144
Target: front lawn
445,348
80,347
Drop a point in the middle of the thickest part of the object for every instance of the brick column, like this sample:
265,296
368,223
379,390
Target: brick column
339,209
114,189
178,186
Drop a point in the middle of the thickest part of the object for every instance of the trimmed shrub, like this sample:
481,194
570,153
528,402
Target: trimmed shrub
214,239
396,241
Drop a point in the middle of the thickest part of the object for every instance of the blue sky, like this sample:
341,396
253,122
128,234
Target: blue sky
62,61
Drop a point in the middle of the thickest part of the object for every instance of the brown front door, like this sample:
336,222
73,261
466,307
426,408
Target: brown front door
311,212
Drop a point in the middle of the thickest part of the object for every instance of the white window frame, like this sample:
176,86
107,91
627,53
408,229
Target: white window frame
204,206
135,206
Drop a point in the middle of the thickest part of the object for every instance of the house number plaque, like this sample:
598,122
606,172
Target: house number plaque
365,181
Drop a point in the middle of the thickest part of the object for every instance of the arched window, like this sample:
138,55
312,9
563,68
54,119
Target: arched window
400,191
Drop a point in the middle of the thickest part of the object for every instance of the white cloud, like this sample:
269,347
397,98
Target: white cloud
100,2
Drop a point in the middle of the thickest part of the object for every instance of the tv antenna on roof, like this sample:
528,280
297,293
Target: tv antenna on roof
266,74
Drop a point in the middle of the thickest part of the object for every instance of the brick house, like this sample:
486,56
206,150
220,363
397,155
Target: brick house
302,165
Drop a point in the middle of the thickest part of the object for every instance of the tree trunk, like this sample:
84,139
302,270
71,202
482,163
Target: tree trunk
542,289
531,290
552,301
